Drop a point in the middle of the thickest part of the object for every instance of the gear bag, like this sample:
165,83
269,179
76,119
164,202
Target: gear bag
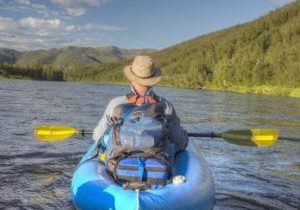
138,145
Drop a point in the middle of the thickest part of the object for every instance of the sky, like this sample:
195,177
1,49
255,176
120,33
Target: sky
157,24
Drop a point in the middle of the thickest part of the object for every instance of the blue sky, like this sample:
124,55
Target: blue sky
44,24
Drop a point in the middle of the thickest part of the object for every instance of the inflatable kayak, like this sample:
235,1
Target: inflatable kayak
93,188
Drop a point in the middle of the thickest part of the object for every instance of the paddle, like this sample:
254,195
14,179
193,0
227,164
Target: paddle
251,137
53,133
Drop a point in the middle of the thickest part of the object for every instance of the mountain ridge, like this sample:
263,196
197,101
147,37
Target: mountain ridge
69,55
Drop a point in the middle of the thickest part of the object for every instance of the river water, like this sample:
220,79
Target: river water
36,175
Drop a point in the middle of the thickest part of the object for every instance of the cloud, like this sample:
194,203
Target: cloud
40,23
64,9
34,33
79,7
24,2
94,27
7,24
24,6
30,33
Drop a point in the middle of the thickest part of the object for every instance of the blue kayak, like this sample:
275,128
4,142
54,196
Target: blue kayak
93,188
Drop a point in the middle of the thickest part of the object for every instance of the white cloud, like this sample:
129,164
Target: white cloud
34,33
24,6
79,7
7,24
70,28
41,23
24,2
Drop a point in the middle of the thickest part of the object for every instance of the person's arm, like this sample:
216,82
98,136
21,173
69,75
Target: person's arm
106,120
177,134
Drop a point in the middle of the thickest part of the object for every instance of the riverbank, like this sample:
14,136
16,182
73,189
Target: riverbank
2,77
260,90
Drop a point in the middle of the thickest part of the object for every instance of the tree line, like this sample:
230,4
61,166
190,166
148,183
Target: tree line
36,72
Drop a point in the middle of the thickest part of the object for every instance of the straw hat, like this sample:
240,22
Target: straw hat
142,71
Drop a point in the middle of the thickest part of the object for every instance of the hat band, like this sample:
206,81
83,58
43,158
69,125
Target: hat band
142,77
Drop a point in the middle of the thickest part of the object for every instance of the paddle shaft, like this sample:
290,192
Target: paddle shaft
84,132
210,135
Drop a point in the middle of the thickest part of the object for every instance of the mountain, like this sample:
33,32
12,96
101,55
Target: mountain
69,56
8,55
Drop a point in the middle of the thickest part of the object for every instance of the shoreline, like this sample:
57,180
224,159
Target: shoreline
258,90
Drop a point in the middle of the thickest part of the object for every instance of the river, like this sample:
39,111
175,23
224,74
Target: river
36,175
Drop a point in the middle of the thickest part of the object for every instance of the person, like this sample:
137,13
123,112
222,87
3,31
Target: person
143,74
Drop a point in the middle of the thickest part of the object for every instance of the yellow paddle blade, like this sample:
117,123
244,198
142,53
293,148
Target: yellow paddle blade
52,133
252,137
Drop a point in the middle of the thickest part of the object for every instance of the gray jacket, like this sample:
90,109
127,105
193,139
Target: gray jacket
177,133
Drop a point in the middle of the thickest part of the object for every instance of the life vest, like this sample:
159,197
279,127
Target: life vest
136,99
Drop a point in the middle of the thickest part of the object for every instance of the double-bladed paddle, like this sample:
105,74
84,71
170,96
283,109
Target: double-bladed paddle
250,137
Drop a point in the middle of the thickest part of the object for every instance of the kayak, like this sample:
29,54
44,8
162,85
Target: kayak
93,188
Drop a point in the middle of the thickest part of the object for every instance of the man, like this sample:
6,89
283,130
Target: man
143,74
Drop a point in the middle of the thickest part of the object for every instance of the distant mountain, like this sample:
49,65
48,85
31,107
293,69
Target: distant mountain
8,55
69,56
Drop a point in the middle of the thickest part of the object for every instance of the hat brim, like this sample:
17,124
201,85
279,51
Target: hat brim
155,78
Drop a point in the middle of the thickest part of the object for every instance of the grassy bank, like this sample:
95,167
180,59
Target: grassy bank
3,77
262,89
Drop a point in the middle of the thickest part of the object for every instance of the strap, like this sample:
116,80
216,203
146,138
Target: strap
141,169
148,97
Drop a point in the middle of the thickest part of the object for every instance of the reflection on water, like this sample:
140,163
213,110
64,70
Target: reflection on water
36,175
